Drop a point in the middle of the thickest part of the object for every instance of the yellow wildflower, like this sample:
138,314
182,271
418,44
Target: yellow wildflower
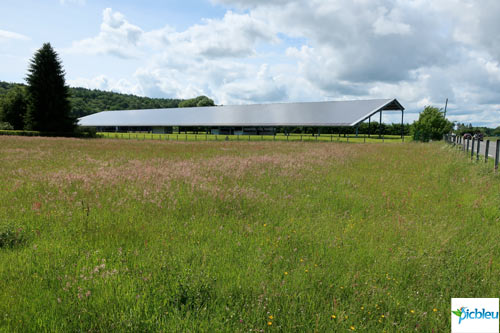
435,310
269,323
353,328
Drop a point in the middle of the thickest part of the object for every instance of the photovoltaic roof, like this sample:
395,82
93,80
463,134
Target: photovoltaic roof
335,113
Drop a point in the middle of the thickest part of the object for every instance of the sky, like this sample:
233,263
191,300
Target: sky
262,51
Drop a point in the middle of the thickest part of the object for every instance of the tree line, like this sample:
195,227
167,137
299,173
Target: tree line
88,101
461,129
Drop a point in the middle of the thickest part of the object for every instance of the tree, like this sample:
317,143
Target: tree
196,102
431,125
13,108
48,104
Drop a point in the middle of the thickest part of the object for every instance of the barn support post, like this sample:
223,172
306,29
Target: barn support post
369,123
380,126
402,126
357,130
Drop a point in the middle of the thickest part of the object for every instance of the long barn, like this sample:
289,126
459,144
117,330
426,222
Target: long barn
244,119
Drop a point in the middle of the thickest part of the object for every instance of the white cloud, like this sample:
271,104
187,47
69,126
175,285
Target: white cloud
102,82
117,37
9,35
234,36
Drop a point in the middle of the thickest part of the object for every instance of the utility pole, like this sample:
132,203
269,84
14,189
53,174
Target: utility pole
445,107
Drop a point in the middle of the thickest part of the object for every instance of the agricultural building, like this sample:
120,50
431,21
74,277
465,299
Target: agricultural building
257,119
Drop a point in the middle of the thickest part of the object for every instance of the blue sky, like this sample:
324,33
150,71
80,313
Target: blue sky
254,51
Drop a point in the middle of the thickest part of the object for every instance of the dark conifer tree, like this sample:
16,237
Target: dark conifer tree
48,104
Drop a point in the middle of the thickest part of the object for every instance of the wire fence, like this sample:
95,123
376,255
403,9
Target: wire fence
253,138
477,149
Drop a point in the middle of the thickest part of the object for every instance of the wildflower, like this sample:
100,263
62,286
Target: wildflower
435,310
382,316
286,273
307,270
346,317
301,260
412,311
362,308
353,328
271,317
265,224
269,323
334,316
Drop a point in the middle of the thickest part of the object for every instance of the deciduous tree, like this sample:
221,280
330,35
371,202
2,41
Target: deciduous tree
13,108
431,125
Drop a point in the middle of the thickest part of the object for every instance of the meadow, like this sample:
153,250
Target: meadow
129,235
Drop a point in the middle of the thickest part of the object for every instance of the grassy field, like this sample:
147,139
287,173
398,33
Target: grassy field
116,235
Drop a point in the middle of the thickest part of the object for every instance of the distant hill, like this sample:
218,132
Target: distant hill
87,101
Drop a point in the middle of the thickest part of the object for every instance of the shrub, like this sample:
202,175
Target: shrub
5,126
431,125
11,236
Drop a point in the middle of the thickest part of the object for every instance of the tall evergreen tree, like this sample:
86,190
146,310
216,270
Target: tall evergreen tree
13,108
48,107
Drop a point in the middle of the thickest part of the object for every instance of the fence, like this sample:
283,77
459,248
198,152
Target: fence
277,137
474,148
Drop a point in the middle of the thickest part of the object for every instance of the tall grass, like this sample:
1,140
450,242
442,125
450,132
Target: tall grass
238,236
